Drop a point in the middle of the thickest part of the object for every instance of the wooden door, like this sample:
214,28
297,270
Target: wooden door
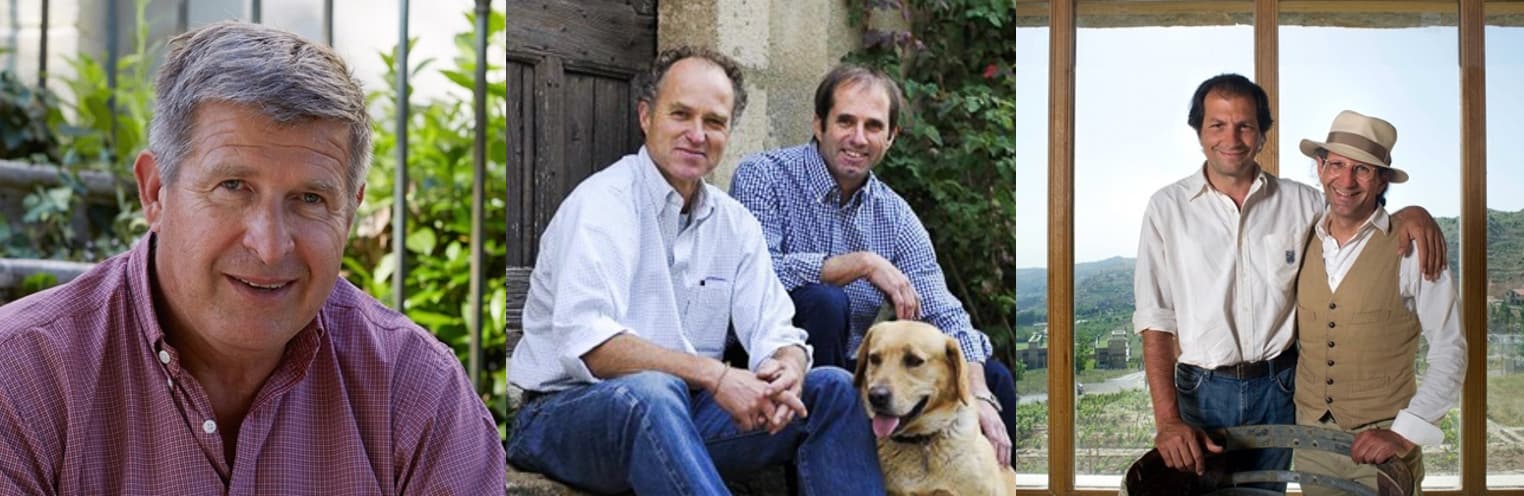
572,67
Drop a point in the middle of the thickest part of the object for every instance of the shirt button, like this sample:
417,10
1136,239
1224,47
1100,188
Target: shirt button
1330,325
164,357
210,426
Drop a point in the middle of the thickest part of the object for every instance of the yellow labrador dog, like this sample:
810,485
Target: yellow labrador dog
912,382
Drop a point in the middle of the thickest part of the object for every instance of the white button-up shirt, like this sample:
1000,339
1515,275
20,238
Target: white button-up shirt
618,258
1221,278
1438,312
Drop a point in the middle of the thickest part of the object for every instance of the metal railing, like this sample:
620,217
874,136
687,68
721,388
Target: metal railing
483,10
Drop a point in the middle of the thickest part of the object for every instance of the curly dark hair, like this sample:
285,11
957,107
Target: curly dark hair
1230,85
652,79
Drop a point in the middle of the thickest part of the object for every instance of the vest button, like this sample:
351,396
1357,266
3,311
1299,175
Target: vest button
1328,399
1330,325
1330,381
1332,306
1330,344
1330,363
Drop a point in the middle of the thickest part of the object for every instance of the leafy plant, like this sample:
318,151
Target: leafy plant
25,115
440,140
108,128
955,158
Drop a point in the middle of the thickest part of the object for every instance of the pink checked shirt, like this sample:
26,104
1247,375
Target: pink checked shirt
93,401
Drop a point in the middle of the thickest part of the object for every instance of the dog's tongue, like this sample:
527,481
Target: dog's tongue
884,424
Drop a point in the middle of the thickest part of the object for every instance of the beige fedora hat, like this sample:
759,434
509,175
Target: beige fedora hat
1360,137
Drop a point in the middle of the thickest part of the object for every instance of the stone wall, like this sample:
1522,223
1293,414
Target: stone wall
785,47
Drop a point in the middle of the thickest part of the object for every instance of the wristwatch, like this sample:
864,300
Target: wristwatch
989,398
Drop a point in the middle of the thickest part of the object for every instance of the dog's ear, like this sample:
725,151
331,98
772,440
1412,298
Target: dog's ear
862,358
956,365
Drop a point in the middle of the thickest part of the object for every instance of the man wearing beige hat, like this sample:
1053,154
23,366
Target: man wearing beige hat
1362,311
1215,284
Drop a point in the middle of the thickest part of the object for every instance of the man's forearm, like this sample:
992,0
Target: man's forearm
1159,366
626,354
976,384
792,353
842,269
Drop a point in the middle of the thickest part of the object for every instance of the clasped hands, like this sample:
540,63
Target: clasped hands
768,399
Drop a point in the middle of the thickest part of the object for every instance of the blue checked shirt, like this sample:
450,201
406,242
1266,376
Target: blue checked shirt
799,204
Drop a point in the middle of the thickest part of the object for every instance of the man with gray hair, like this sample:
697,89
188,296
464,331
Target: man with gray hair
224,353
640,272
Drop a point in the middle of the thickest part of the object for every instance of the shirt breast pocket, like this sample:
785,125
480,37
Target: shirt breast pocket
1281,254
708,314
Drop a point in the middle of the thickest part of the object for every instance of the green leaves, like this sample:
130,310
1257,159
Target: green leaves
955,161
441,136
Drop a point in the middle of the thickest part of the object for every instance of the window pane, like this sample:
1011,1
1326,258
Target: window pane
1133,90
1406,72
1505,252
1031,436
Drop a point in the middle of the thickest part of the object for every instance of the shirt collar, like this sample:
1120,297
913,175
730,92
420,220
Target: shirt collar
1198,185
1379,220
823,188
659,193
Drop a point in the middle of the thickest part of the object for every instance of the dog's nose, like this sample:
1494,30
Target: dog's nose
878,396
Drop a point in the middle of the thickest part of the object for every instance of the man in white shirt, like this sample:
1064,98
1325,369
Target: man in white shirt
640,272
1215,284
1362,311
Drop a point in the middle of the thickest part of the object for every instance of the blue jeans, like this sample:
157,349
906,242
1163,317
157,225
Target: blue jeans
1211,401
649,433
822,310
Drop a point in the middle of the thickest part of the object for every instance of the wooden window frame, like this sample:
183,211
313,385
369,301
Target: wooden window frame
1266,13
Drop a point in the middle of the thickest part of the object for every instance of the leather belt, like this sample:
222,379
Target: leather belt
530,396
1253,370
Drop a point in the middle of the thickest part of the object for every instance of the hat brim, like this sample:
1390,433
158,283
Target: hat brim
1310,148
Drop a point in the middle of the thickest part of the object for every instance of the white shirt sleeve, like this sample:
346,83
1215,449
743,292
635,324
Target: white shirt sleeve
1438,312
1153,305
594,268
761,309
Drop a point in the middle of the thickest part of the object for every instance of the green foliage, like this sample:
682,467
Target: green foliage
111,124
955,158
38,282
109,127
440,141
25,115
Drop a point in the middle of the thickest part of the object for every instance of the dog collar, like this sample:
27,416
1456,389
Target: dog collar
916,439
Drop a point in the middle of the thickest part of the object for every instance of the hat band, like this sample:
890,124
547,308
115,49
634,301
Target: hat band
1363,144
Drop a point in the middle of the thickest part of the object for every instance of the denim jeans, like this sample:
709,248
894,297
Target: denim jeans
649,433
821,310
1211,401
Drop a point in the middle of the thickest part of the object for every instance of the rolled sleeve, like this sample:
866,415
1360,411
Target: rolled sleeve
1416,429
1153,307
579,342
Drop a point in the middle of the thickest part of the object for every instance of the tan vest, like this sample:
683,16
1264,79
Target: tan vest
1358,343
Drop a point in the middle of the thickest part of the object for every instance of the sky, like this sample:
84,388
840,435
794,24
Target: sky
1133,88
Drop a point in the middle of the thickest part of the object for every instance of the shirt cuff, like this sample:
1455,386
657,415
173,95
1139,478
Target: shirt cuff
799,269
770,346
1157,320
1417,430
597,332
975,346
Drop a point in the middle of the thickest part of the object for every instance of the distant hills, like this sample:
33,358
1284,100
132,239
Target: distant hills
1105,286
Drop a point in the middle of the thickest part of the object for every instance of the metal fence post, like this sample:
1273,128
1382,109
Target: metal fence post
399,188
42,52
478,193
